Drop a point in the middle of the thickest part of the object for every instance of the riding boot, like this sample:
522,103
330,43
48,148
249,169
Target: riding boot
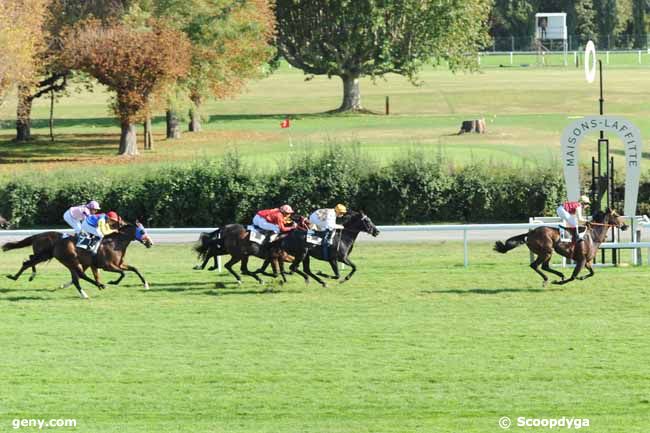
325,243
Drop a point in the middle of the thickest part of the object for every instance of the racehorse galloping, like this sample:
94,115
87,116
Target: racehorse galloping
544,240
235,240
338,251
42,246
109,257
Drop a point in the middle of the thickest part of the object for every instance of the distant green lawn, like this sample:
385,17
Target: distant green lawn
413,343
525,109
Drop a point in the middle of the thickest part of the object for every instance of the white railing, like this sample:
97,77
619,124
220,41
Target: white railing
640,222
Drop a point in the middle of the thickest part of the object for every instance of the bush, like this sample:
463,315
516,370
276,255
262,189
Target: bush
412,189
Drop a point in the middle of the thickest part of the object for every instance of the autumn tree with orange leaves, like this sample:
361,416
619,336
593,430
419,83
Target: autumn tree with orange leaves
21,38
135,63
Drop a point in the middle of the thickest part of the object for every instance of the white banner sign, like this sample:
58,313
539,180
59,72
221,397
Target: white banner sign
629,135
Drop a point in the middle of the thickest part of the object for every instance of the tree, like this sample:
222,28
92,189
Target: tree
21,38
640,33
60,15
231,41
352,39
606,19
135,63
583,21
513,18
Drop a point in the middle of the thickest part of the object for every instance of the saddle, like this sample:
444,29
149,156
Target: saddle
88,242
260,236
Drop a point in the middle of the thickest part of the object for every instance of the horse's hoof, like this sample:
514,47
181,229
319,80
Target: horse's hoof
146,286
324,284
11,277
31,277
101,286
211,268
239,282
113,283
262,282
197,268
545,283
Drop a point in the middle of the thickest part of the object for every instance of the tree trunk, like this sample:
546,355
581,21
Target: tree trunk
351,94
23,114
195,114
195,120
173,125
148,134
128,139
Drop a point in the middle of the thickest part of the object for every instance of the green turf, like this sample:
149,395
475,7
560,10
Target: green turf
525,109
413,343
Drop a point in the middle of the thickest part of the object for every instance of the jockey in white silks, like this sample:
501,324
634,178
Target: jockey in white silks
325,221
571,213
77,214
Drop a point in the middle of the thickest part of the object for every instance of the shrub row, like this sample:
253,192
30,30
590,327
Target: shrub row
412,189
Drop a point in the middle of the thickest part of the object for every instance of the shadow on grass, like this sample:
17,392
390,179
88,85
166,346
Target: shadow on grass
492,291
69,148
23,298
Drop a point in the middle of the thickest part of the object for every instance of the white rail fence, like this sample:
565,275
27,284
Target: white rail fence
638,224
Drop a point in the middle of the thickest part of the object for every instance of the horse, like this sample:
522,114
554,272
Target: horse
542,241
42,247
339,250
234,239
109,257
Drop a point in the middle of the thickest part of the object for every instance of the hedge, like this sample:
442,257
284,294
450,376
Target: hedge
412,189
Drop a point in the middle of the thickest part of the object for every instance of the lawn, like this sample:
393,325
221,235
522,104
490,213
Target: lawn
413,343
525,109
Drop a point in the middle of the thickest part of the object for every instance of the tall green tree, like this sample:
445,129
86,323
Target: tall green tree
355,38
583,21
640,32
607,20
514,18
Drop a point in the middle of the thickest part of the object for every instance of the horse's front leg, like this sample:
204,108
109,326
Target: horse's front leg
346,260
135,270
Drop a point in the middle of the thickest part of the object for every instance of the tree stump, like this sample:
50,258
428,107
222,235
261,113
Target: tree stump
477,125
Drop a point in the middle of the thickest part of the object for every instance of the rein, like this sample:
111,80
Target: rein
603,225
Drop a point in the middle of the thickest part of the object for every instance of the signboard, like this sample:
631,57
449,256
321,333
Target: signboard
629,135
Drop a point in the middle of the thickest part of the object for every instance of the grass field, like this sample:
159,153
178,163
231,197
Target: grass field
413,343
525,108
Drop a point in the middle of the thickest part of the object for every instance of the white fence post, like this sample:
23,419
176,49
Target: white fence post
465,247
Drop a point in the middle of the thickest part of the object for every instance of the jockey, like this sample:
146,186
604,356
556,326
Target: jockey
76,214
275,220
98,225
325,219
571,213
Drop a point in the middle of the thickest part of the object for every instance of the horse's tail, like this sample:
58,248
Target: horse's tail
207,243
20,244
510,244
